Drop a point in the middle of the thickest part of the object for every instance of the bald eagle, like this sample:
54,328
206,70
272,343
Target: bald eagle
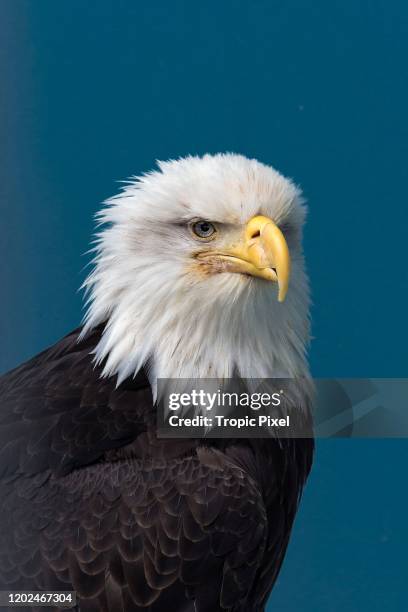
190,279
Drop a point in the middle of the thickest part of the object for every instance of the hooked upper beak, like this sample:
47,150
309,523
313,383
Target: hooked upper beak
262,252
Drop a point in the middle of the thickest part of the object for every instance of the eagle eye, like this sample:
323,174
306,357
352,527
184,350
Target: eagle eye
203,229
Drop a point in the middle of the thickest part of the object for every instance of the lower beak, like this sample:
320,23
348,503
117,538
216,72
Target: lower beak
262,252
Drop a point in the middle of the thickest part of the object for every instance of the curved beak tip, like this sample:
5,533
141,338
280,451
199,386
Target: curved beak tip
282,294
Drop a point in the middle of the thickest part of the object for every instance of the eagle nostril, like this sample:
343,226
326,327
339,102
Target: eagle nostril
255,234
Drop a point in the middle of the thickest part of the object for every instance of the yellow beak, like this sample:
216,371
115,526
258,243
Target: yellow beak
262,252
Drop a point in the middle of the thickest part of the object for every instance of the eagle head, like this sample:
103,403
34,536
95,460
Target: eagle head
199,271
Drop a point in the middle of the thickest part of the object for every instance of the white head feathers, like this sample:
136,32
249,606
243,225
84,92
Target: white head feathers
159,311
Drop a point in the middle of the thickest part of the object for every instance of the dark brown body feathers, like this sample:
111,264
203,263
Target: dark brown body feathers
92,501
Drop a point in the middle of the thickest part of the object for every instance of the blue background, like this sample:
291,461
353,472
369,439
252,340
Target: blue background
95,92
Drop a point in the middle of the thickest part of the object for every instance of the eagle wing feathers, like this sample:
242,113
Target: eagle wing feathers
89,504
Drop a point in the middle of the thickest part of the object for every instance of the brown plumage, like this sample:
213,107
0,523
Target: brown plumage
92,501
